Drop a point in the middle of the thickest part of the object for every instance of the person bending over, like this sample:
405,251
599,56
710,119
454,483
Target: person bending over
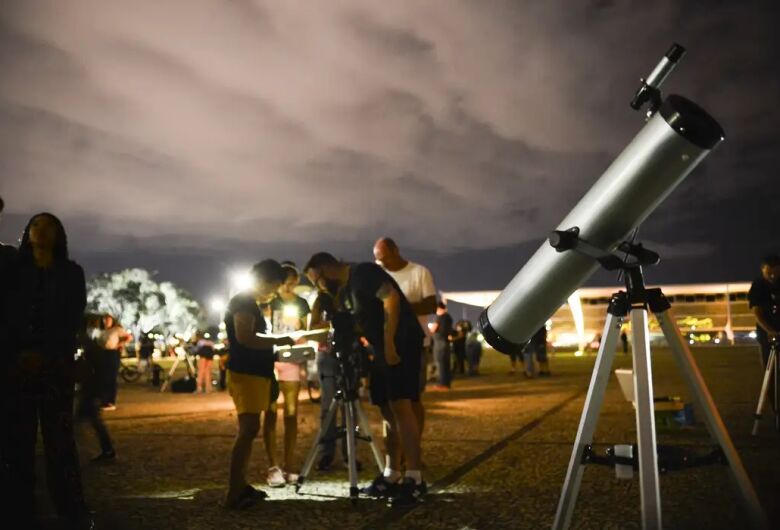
388,322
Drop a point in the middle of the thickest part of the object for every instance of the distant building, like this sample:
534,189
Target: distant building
708,314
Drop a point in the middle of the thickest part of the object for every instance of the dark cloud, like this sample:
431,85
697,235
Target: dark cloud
464,129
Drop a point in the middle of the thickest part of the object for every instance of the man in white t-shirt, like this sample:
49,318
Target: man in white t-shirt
416,282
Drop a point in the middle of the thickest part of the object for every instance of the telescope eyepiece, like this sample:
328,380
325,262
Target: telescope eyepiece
675,53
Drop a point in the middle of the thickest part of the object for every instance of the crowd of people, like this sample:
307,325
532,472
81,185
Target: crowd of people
43,298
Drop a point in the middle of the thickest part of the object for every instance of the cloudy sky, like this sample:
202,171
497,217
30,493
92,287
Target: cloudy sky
194,136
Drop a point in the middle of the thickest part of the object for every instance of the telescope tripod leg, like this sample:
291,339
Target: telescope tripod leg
649,486
717,429
175,365
588,420
317,445
770,367
349,420
776,396
366,429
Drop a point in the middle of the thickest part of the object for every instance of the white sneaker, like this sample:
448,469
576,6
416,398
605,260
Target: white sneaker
276,477
292,478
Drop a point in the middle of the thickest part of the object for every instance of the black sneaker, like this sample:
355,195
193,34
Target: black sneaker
104,458
409,493
380,488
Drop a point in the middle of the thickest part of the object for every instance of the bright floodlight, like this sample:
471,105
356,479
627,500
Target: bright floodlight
217,304
241,281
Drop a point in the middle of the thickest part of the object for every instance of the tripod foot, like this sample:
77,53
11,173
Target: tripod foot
299,484
353,495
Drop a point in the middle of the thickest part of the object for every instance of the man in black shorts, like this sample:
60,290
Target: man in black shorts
386,318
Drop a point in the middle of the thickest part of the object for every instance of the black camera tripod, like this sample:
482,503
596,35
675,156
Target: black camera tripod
770,372
355,426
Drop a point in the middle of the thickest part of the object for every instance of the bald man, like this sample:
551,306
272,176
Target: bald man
416,282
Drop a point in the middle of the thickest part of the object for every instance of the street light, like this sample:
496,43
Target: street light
241,281
217,304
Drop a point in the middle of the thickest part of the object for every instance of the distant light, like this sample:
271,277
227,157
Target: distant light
717,341
752,335
693,328
691,341
241,281
578,353
217,304
207,335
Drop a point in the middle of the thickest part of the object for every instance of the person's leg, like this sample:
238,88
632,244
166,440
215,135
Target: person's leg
201,375
22,432
88,409
448,367
512,363
419,410
441,369
530,367
544,364
408,435
63,476
327,391
419,414
393,446
248,427
112,376
269,435
290,390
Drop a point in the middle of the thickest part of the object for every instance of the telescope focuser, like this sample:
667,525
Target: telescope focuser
650,89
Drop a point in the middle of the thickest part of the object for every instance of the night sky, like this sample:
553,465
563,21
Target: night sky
193,137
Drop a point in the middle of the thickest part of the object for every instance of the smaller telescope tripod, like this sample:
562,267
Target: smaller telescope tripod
355,428
771,372
190,370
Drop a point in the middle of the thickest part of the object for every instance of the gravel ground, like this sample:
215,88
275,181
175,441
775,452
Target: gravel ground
495,449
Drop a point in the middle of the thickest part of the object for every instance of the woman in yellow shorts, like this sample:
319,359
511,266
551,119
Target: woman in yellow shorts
250,369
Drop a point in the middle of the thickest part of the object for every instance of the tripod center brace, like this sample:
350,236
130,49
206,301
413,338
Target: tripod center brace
634,303
355,428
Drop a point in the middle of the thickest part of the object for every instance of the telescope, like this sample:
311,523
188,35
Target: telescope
678,135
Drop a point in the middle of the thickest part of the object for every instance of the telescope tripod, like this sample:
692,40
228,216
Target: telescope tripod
174,366
770,372
355,428
634,304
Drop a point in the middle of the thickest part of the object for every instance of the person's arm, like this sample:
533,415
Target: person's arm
78,301
391,301
765,323
244,325
426,306
318,316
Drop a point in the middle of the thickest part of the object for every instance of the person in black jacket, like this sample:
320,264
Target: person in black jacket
7,260
48,296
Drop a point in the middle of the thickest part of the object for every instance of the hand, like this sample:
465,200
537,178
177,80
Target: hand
391,355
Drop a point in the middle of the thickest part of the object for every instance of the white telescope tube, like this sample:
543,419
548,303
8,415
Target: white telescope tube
665,150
